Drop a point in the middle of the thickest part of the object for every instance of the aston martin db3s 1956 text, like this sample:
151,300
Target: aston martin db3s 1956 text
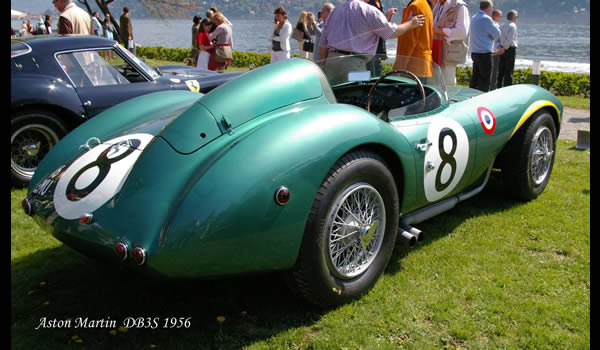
59,82
310,169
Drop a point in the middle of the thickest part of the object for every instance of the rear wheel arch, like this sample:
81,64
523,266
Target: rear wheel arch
35,130
64,116
302,278
393,162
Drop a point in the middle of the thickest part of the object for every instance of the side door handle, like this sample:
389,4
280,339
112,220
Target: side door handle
423,147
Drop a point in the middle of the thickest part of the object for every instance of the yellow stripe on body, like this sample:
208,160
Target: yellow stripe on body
534,107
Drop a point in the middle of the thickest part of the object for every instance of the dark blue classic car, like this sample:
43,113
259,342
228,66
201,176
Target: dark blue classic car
59,82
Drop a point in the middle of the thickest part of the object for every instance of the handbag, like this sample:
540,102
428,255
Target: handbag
308,46
455,52
298,34
223,53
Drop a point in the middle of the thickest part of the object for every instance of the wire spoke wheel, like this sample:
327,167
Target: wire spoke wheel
29,145
529,157
355,227
541,155
350,232
33,133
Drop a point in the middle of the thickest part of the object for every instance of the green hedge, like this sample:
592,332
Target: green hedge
240,59
559,83
562,84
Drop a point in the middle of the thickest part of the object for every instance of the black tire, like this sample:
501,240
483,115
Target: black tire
530,157
319,277
32,134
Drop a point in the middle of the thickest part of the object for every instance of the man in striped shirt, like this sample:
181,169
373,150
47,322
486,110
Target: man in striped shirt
355,27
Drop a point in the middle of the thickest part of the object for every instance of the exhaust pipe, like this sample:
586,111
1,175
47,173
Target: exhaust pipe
411,235
416,232
409,239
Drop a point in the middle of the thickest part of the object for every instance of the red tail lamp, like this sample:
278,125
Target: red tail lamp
282,195
86,218
139,255
121,250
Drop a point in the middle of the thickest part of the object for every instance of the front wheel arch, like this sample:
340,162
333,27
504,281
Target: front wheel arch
528,158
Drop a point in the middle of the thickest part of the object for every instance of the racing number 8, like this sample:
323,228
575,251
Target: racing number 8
447,159
446,162
104,164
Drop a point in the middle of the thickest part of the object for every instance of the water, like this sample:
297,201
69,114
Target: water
560,47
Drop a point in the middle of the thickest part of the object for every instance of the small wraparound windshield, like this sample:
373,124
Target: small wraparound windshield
415,87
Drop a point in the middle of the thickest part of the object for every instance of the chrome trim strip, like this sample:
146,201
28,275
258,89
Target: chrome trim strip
114,48
29,49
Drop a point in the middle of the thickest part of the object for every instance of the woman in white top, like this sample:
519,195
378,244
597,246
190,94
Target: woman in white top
280,36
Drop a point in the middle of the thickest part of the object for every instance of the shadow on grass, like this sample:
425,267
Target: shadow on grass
60,284
492,199
254,307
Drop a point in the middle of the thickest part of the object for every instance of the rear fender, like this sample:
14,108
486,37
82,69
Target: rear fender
132,114
35,91
226,221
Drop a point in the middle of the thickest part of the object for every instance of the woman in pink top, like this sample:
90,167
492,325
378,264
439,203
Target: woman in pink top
222,36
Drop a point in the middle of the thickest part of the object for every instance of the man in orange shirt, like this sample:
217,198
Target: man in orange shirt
417,42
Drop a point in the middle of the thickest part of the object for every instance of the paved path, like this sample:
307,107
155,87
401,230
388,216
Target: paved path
574,119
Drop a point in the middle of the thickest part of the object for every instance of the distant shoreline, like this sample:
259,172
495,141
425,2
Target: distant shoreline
574,20
394,19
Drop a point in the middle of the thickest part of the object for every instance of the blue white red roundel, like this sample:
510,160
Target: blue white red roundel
488,121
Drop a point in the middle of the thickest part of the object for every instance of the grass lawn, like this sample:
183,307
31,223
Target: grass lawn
492,273
575,101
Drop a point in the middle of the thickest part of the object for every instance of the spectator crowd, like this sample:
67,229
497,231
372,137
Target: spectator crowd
440,31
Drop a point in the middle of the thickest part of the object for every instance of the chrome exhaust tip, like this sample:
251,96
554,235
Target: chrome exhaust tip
409,239
411,235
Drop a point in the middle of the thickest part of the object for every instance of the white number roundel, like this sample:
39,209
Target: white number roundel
446,159
97,175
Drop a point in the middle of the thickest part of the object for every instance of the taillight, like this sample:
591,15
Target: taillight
282,195
139,255
86,218
27,207
121,250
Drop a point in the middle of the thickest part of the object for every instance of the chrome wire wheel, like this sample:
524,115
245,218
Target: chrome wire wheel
355,230
29,144
542,154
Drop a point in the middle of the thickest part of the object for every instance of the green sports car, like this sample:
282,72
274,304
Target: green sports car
312,169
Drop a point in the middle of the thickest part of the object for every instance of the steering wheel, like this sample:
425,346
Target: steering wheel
401,72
